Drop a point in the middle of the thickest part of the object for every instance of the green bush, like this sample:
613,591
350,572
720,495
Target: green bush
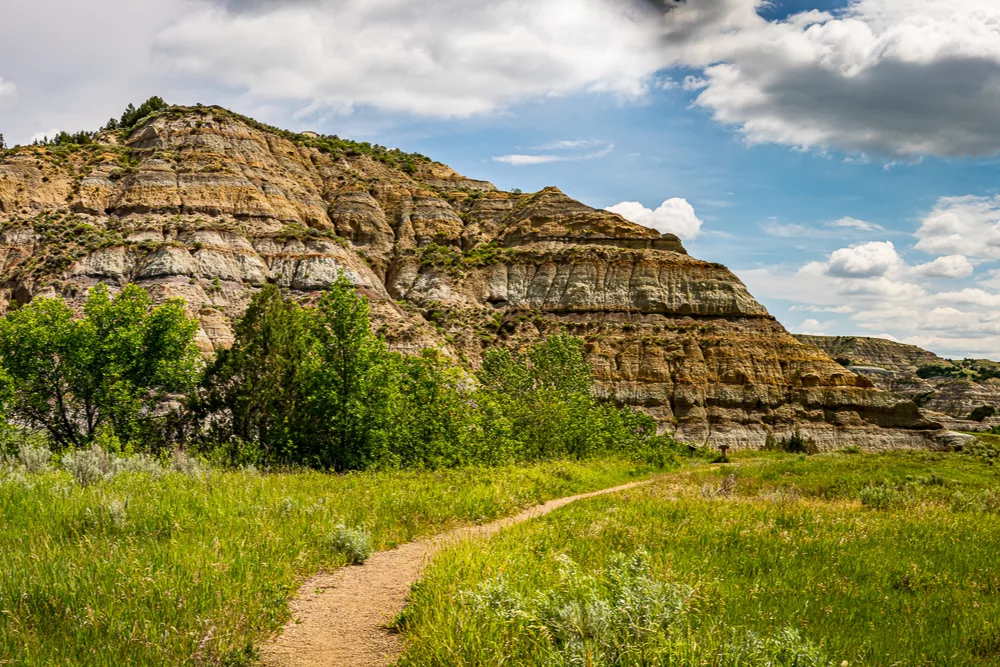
796,443
619,615
82,138
878,497
936,370
986,448
982,413
34,458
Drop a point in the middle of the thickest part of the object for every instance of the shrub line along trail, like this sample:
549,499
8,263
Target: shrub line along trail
339,618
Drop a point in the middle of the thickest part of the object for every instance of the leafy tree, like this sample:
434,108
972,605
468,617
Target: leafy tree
540,405
107,371
351,381
258,387
3,144
431,412
315,386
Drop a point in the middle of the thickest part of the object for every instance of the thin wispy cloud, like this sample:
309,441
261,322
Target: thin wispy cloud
835,229
521,160
571,144
854,223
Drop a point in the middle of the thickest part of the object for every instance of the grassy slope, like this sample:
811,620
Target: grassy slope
790,556
186,570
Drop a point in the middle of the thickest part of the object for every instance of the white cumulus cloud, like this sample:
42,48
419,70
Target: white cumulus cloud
963,226
866,260
443,58
674,216
877,291
950,266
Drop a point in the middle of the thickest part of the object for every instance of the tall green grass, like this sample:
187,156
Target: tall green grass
775,561
191,569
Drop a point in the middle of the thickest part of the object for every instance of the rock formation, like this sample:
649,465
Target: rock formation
206,205
893,367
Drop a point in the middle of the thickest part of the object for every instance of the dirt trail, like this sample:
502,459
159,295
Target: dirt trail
339,618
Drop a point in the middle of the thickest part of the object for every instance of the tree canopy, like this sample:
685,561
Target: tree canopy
110,369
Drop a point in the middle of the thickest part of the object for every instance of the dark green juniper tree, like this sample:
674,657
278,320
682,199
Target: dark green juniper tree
132,116
110,370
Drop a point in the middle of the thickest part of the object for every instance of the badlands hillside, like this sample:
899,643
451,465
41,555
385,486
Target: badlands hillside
952,388
207,205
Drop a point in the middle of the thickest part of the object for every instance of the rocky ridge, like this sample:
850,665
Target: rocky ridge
203,204
893,367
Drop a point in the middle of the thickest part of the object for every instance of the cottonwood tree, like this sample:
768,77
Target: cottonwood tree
110,370
255,392
352,382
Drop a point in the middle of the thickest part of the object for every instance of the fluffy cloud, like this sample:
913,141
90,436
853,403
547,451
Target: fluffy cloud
674,216
872,289
866,260
813,327
8,92
901,78
962,225
446,58
876,79
951,266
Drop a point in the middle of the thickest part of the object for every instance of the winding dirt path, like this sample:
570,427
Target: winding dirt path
339,618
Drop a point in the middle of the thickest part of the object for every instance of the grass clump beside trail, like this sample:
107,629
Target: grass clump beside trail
182,565
777,561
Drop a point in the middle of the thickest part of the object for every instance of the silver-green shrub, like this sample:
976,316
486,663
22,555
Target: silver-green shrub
354,543
139,464
35,458
89,466
878,497
186,464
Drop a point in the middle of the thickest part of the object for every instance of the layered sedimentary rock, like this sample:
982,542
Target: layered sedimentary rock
875,352
207,206
893,367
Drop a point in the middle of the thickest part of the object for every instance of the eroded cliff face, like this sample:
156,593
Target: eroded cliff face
205,205
893,367
875,352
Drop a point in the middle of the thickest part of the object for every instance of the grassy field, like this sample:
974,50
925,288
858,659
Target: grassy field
175,569
857,559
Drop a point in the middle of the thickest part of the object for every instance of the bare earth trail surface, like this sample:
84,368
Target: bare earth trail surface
339,619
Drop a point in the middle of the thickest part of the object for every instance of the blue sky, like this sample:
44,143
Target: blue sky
839,156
